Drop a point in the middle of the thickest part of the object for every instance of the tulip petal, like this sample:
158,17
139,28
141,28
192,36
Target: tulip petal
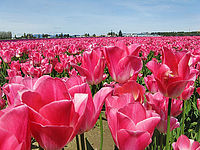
113,56
83,71
148,124
170,60
132,87
15,121
119,101
56,90
51,137
112,122
32,99
99,71
58,112
11,91
133,140
131,110
100,97
134,49
176,88
183,142
9,141
183,67
127,67
124,122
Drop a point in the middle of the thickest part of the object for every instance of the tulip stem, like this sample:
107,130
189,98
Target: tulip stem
101,130
168,125
161,141
77,143
82,141
155,146
183,118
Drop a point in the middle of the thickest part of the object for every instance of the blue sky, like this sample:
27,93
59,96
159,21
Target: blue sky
99,17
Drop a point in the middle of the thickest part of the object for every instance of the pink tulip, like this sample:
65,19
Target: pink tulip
2,101
16,85
162,125
133,88
187,92
122,63
92,67
59,67
159,103
198,104
173,74
54,117
76,84
132,49
151,83
14,128
198,90
130,129
15,65
183,143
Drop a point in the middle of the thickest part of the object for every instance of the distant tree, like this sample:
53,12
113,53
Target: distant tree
120,33
94,35
5,35
86,34
57,36
25,36
61,35
66,35
112,34
43,36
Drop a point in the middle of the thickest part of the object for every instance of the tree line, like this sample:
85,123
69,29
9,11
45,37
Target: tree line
5,35
182,33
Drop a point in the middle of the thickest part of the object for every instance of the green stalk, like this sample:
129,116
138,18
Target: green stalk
82,141
101,131
155,145
161,141
77,143
168,125
183,118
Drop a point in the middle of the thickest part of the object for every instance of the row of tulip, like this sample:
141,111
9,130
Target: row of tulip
85,73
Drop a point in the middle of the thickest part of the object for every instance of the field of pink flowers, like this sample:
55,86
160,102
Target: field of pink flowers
54,90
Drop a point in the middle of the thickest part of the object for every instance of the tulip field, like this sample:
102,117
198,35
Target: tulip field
56,90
